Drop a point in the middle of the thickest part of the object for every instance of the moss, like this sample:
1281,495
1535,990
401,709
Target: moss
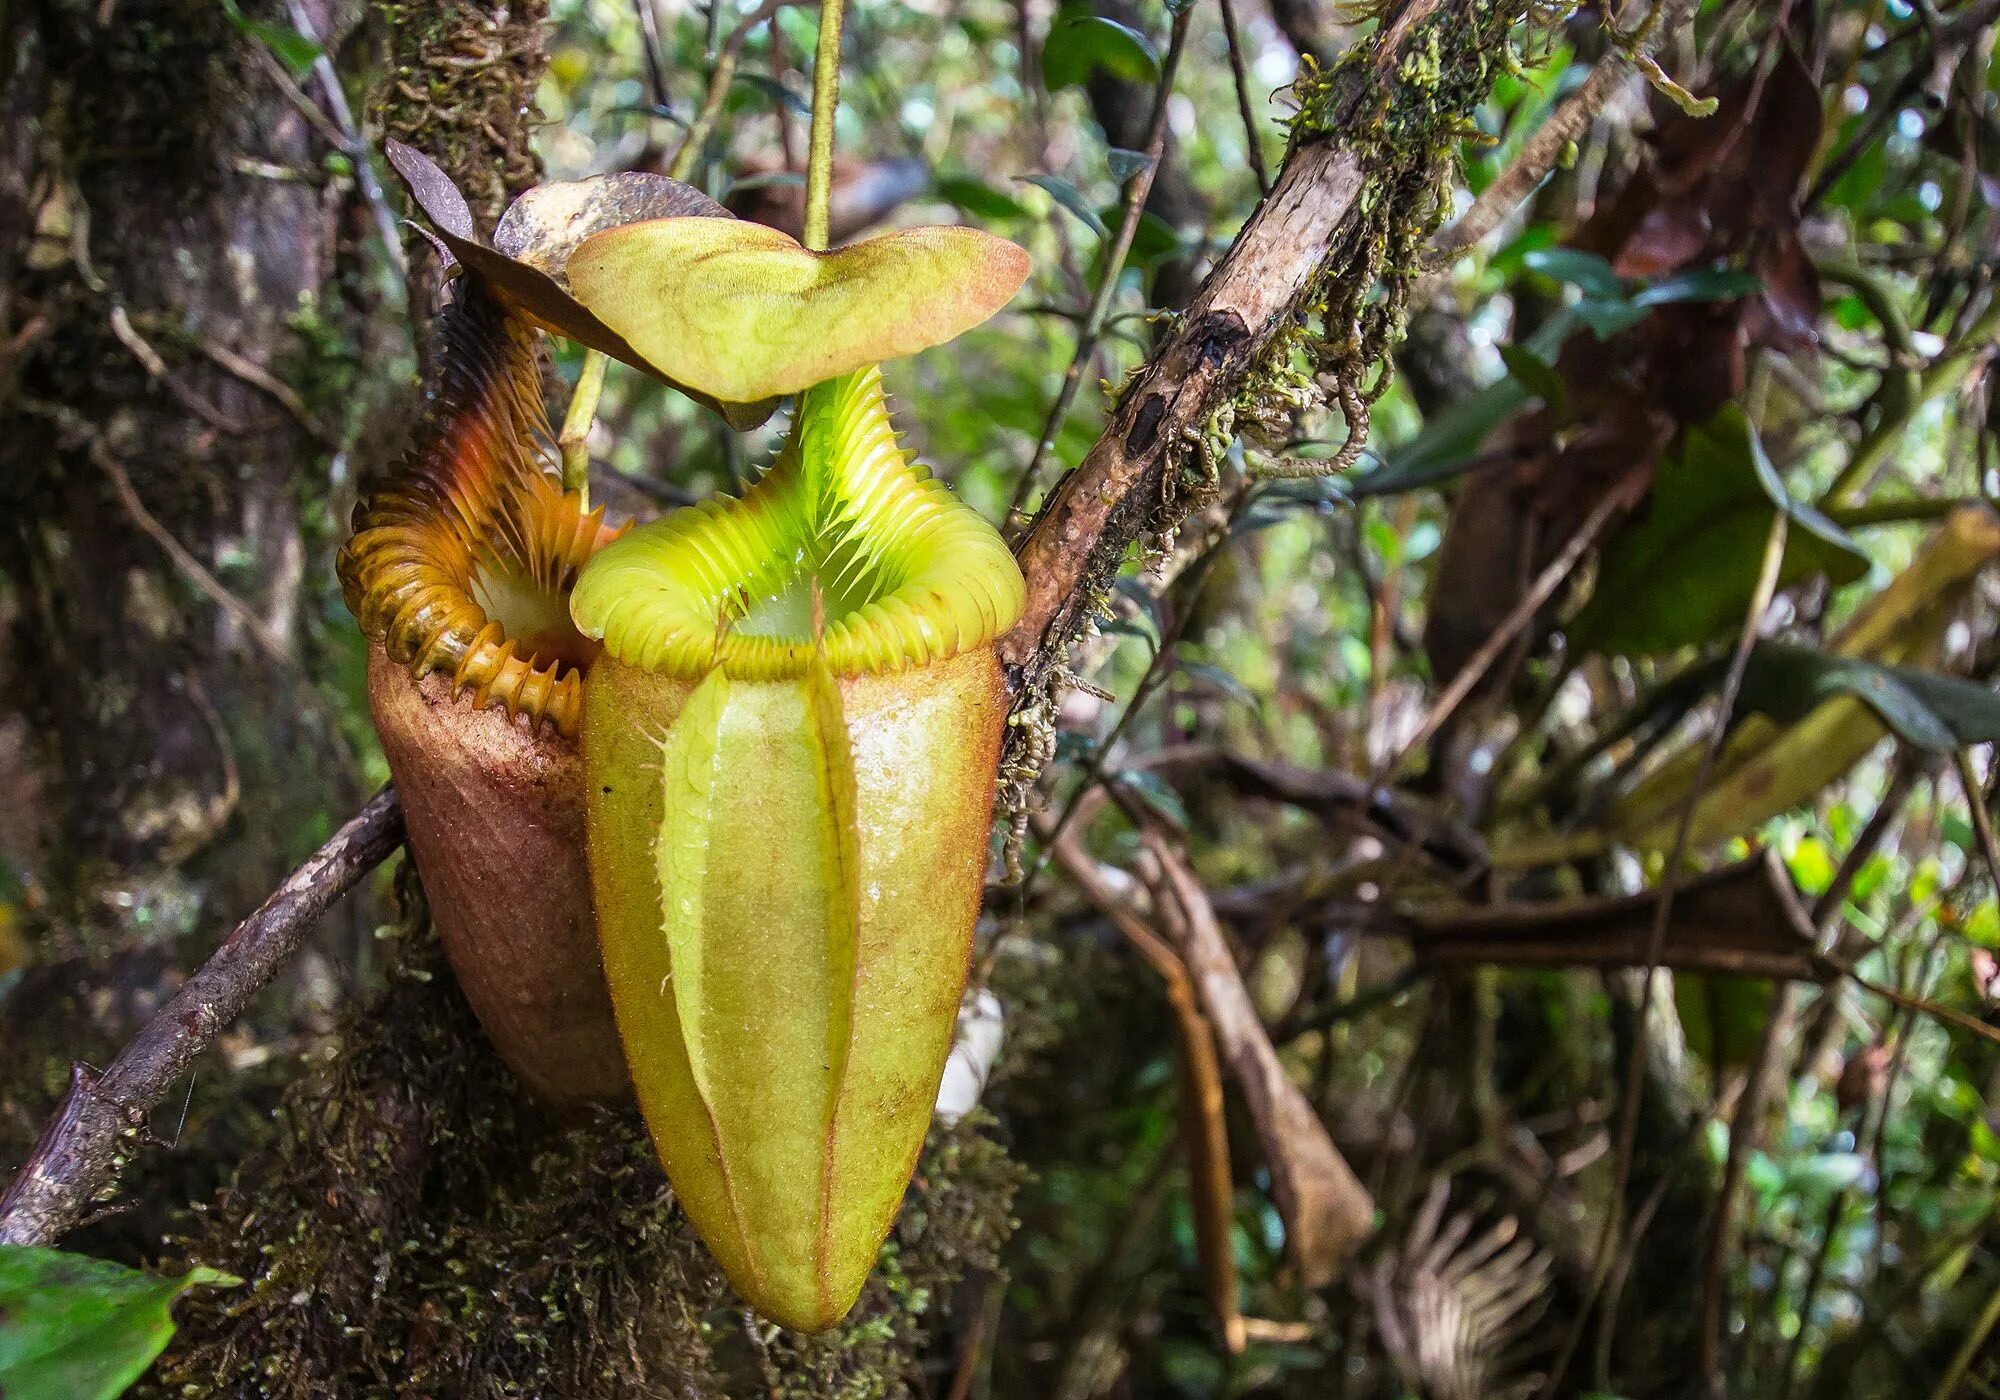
460,88
1405,128
422,1228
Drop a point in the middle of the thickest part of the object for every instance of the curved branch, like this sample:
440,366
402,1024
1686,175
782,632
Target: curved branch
1098,510
77,1159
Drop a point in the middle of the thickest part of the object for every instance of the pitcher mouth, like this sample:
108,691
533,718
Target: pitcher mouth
841,553
463,561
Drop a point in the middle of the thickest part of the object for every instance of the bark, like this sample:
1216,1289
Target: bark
171,256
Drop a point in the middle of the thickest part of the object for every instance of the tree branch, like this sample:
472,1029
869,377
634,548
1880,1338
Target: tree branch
1098,510
1569,121
77,1159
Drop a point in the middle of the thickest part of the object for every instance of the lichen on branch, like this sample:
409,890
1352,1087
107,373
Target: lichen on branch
1313,292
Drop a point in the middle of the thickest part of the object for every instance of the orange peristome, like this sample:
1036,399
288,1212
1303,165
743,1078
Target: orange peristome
459,572
462,562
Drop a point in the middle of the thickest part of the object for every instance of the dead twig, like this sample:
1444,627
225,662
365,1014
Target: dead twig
1327,1211
1635,1065
155,365
190,567
1136,191
76,1161
1094,513
1203,1129
1252,143
1621,497
719,79
351,142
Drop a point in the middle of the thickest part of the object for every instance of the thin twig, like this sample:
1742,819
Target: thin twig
1136,191
1327,1211
355,148
155,365
719,79
77,1159
1635,1064
1093,514
254,374
190,567
1252,142
1968,1351
1982,818
1203,1130
1158,668
1546,583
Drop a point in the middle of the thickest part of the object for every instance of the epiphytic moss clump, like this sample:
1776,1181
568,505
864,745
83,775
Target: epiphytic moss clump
422,1228
461,82
1405,127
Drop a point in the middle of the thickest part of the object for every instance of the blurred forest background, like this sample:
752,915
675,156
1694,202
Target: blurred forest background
1599,585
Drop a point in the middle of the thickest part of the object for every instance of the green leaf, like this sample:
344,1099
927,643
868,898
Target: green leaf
1535,374
1934,712
776,91
1683,572
1153,241
783,179
1222,680
291,48
76,1328
1586,271
979,199
1722,1015
1607,317
1699,284
1070,198
1154,791
1125,164
1080,42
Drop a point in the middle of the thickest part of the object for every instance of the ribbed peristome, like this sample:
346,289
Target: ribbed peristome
843,550
463,560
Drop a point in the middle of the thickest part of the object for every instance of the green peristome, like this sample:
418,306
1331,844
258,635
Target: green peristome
790,743
743,312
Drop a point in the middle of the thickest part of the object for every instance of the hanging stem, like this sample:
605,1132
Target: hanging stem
575,438
826,98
